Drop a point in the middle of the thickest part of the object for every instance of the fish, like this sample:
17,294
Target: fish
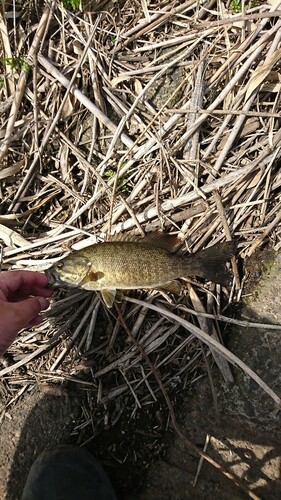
147,263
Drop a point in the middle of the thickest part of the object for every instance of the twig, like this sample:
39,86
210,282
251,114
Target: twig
265,233
178,430
223,112
226,229
201,460
43,349
190,148
53,71
214,344
19,93
220,360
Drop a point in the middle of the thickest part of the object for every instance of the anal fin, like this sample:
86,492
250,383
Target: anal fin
173,286
108,297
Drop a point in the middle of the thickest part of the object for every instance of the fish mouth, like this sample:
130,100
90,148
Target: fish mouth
53,279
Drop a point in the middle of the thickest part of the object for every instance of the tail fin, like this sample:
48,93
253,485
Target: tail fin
210,263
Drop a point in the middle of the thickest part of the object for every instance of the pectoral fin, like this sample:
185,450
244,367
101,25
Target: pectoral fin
172,286
108,296
90,281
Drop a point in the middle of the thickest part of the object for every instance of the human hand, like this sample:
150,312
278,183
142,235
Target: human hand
23,294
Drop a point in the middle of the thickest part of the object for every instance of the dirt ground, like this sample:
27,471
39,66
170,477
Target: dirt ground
146,460
244,426
237,425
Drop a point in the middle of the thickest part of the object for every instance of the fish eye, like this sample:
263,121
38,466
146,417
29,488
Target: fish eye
60,265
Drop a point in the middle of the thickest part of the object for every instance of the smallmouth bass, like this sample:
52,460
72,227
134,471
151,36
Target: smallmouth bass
147,263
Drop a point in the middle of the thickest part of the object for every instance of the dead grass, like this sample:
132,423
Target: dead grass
135,116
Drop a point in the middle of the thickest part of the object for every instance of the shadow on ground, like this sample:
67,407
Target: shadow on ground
243,447
244,432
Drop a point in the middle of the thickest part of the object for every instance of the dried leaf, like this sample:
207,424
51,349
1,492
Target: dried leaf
68,107
271,87
12,238
256,179
119,79
9,171
145,10
138,87
261,73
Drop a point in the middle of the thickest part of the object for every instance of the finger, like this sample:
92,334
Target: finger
17,315
25,292
39,291
19,285
35,321
13,280
26,310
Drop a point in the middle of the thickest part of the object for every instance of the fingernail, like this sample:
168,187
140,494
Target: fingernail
44,303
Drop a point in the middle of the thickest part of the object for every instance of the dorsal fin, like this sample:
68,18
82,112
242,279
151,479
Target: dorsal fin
124,237
166,241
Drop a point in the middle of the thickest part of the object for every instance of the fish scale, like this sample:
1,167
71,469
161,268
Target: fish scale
126,265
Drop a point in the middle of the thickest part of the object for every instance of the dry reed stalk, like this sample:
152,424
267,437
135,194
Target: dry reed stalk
220,360
173,418
215,345
19,92
108,137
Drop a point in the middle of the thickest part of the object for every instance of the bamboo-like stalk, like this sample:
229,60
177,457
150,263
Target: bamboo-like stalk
114,133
